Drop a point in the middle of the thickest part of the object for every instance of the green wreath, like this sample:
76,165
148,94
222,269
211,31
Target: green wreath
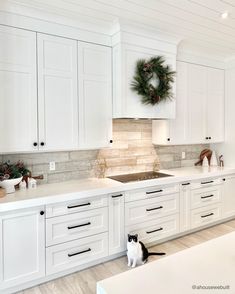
153,71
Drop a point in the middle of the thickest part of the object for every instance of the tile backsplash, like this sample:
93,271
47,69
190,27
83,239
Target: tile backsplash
132,151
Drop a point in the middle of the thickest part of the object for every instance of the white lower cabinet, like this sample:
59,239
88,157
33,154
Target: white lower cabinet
22,247
229,196
76,253
116,224
205,215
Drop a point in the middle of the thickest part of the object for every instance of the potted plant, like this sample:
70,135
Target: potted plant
11,175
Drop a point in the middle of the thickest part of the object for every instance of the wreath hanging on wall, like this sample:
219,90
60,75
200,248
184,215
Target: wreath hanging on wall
153,80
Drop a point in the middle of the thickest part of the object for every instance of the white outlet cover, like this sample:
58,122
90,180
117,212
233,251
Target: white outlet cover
183,155
52,165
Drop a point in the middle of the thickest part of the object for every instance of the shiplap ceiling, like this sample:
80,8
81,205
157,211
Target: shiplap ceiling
198,21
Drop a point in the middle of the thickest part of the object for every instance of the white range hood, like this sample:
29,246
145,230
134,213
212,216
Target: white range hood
129,45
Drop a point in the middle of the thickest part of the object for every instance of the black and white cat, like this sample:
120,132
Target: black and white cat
137,253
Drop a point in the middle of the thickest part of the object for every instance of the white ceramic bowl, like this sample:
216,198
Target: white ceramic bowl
9,185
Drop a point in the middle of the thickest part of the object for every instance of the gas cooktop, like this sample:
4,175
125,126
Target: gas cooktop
139,177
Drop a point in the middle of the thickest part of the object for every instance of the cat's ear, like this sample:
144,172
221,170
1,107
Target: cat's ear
136,235
128,235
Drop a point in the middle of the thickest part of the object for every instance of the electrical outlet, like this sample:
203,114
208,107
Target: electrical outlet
183,155
52,165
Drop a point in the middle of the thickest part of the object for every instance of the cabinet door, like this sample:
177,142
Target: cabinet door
22,247
185,197
228,197
116,224
197,95
95,95
57,93
215,105
18,94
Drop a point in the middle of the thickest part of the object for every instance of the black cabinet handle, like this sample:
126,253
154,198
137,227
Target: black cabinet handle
207,138
224,180
80,252
209,182
153,192
110,141
42,212
206,215
155,208
78,226
42,144
35,144
185,184
78,205
168,139
116,196
150,232
208,196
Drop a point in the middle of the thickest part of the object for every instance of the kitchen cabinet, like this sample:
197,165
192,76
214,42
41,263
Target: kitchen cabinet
200,108
185,195
22,247
18,95
126,103
229,196
95,96
116,224
57,93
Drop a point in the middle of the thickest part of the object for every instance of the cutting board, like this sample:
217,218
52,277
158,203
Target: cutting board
2,192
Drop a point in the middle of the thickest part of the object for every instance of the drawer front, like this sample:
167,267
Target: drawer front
75,253
76,206
145,210
205,215
206,183
150,192
155,230
77,225
205,196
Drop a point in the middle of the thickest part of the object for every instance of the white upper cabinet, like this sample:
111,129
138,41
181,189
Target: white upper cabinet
57,93
200,108
127,50
18,94
95,95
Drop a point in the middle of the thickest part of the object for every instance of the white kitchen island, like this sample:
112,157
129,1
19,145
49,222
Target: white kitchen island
211,264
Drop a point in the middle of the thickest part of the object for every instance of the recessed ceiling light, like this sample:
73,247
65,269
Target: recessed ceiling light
224,15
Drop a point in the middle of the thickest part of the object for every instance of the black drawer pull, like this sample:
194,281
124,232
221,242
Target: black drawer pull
78,205
206,215
80,252
185,184
153,192
203,183
116,196
78,226
208,196
155,208
150,232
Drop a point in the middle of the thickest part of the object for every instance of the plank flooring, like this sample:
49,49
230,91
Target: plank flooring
84,282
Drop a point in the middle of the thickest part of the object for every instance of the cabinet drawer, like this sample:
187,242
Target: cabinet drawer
76,206
206,183
155,230
75,253
205,215
77,225
150,192
205,196
145,210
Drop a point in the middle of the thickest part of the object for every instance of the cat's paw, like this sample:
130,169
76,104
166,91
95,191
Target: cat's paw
133,265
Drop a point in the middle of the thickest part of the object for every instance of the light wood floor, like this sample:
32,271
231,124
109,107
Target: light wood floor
84,282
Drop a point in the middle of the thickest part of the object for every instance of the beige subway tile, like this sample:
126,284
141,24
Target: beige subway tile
126,136
121,161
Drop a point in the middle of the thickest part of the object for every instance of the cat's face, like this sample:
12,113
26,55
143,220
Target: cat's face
132,238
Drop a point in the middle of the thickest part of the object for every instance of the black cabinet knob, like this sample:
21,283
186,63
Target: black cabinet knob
224,180
35,144
42,212
42,143
168,139
111,141
207,138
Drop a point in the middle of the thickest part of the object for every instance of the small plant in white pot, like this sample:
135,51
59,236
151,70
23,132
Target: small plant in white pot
11,175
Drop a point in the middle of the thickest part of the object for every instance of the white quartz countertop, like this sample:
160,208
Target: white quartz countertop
209,264
77,189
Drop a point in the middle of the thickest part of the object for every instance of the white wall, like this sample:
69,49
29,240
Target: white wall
228,147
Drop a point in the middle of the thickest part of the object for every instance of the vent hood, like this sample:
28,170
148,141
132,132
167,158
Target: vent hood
130,44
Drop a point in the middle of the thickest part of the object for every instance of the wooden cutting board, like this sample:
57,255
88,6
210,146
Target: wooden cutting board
2,192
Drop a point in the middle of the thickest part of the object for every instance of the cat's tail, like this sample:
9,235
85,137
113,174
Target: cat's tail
156,253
